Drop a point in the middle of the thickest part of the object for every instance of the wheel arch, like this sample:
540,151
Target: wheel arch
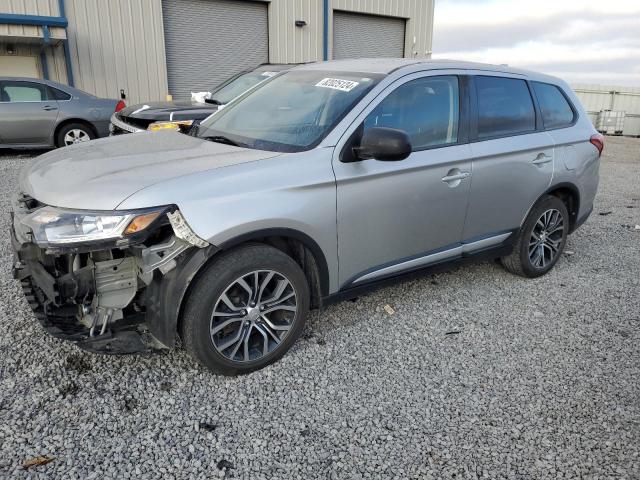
281,238
68,121
167,295
570,196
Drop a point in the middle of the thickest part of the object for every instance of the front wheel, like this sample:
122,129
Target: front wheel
246,310
541,239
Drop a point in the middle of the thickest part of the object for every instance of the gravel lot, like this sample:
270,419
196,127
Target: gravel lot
478,373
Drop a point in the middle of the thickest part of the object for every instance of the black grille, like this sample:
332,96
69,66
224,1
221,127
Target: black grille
136,122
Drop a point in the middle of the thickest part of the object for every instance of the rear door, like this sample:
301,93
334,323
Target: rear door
27,116
512,156
398,216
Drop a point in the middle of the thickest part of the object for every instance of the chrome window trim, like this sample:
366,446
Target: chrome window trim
428,259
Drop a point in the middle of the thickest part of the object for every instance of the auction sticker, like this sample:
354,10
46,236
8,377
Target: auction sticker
337,84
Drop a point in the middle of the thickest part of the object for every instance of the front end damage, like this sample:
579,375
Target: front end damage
114,297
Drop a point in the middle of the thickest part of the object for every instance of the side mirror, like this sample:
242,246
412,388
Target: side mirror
385,144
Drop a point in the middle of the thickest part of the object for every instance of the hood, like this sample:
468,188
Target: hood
167,111
101,174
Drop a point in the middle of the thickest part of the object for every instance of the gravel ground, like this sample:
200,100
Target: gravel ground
477,373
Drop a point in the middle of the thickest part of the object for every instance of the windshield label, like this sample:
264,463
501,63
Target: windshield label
337,84
268,74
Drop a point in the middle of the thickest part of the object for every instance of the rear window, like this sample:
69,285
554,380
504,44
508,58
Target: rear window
505,107
555,109
59,94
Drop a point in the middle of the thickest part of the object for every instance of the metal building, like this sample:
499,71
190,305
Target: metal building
596,98
151,48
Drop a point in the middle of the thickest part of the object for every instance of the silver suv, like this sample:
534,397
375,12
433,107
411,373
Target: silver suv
327,180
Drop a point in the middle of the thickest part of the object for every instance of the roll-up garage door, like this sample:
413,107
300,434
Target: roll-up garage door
19,66
208,41
367,36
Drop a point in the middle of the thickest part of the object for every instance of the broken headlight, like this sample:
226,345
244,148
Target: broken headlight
57,226
178,125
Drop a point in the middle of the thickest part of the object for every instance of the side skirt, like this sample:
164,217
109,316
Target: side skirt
490,253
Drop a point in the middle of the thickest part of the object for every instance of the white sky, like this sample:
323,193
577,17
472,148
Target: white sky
582,41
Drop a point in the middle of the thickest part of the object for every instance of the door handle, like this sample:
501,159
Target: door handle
455,177
49,108
541,159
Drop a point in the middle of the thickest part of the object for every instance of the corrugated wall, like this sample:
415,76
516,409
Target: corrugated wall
115,44
47,8
12,33
118,44
610,97
30,7
291,44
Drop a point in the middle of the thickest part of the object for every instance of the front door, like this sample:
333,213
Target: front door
27,116
398,216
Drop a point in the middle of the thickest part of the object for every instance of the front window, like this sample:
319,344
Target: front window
238,86
17,92
426,109
292,112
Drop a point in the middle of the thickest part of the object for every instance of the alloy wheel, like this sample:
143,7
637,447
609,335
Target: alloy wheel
253,316
76,136
546,238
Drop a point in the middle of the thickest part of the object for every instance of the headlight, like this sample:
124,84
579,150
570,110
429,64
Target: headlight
56,226
177,125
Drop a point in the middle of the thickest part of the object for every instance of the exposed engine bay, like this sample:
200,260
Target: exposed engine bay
99,295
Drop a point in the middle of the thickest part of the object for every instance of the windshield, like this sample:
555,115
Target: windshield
292,112
239,85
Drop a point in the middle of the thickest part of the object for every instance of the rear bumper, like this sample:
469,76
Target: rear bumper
583,218
102,128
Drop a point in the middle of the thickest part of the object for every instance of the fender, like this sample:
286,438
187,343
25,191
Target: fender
569,186
166,294
576,193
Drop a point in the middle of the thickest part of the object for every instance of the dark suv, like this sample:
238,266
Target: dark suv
182,115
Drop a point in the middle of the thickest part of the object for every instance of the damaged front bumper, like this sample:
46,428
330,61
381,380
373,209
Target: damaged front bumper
105,298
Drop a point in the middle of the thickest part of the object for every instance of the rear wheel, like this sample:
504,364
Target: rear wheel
74,133
541,239
246,310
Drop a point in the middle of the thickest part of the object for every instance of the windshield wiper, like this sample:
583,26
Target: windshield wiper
213,101
223,139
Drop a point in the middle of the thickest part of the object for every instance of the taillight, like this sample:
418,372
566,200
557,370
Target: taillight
120,105
597,141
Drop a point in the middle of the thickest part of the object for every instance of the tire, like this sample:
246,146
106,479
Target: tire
272,330
80,131
528,263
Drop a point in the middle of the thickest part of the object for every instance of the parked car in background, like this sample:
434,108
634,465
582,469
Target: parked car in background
41,114
182,115
326,181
